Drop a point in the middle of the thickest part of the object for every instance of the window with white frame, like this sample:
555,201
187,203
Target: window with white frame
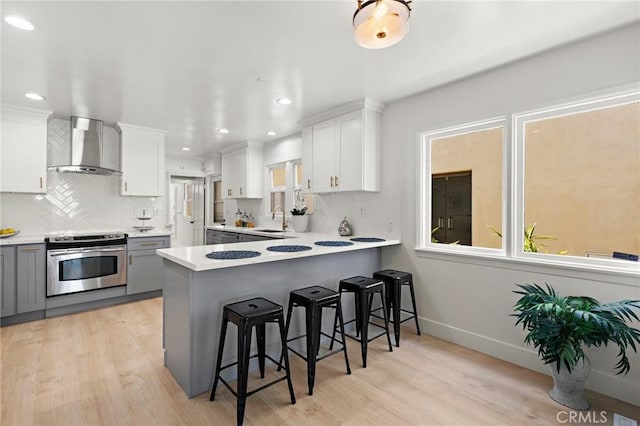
579,180
284,181
463,191
567,180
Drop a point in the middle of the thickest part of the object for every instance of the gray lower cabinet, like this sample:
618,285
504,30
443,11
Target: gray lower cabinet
246,238
31,278
7,281
228,237
145,270
23,274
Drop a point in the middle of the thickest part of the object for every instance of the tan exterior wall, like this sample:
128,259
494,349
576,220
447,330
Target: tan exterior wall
582,180
480,152
582,177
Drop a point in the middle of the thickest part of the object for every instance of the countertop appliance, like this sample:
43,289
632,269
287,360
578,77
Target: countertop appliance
83,262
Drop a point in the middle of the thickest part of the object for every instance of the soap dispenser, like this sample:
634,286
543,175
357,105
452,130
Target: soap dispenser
344,229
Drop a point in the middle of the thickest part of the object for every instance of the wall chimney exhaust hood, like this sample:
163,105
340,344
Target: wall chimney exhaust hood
89,151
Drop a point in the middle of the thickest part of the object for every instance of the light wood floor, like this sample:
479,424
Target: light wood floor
105,367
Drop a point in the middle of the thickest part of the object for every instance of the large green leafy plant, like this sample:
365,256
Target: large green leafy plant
560,327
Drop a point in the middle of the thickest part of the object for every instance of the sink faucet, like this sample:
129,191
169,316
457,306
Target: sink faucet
284,221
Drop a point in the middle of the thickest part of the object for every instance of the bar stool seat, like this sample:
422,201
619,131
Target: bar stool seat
364,289
245,315
394,280
314,299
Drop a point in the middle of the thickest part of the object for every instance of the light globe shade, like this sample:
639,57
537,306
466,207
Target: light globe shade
382,23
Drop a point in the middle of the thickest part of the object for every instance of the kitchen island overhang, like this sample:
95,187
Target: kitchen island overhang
196,289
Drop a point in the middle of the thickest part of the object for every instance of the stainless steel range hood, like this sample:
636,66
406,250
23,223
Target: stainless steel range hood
88,149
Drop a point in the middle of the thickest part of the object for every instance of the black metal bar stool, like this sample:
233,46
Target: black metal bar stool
245,315
314,299
394,280
364,289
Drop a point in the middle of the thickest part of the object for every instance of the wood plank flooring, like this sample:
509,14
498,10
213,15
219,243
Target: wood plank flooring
105,367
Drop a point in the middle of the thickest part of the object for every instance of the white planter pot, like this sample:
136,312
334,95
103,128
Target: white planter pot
568,388
300,222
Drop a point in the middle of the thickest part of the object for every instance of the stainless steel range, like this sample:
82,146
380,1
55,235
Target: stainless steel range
83,262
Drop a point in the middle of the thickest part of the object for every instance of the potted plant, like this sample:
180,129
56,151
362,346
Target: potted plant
299,220
560,327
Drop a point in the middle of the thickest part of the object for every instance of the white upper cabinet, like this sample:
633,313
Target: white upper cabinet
242,171
142,161
307,155
23,150
342,147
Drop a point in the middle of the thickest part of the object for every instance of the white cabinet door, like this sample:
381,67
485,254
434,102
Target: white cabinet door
324,156
142,161
23,150
242,171
349,161
307,159
233,170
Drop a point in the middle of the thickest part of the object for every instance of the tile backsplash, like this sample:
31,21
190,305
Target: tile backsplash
76,202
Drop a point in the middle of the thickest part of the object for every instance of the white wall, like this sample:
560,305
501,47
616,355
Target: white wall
76,202
468,301
184,166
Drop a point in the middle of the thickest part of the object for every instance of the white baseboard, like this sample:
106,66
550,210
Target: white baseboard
599,381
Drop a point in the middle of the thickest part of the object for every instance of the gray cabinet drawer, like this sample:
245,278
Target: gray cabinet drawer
147,243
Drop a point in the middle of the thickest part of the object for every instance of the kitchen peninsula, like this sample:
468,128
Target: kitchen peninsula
196,288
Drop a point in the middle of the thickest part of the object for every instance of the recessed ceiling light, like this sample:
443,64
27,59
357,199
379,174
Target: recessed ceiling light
223,130
20,23
186,148
34,96
284,101
271,133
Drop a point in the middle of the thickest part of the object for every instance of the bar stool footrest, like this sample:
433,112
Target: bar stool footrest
235,393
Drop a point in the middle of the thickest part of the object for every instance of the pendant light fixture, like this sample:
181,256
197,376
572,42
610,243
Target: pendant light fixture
381,23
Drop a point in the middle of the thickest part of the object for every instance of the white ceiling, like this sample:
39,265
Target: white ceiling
193,67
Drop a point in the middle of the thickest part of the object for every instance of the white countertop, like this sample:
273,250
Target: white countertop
195,257
152,233
23,238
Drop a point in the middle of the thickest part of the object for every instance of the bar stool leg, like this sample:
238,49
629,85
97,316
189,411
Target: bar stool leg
286,330
359,305
344,340
415,311
335,324
312,329
285,354
396,305
364,322
223,335
386,319
244,348
260,332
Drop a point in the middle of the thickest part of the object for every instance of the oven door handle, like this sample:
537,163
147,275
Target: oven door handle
55,253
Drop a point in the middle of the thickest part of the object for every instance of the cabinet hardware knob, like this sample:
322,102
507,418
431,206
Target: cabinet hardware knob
336,181
130,260
40,182
240,190
449,223
308,183
125,187
150,244
31,249
332,181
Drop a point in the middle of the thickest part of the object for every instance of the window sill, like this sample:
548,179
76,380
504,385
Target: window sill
609,274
